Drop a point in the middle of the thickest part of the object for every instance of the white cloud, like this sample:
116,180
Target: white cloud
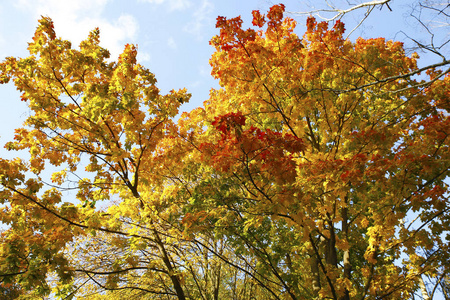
201,17
143,57
179,4
172,4
114,35
171,43
153,1
75,19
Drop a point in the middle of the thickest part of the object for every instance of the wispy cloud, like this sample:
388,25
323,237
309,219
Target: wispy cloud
74,19
171,4
143,56
171,43
201,19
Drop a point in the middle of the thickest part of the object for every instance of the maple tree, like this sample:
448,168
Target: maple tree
316,171
424,28
109,118
328,158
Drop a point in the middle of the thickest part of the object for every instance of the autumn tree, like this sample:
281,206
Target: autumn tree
95,126
424,30
328,160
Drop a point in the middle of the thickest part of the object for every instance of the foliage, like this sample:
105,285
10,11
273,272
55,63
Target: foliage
362,189
319,160
109,118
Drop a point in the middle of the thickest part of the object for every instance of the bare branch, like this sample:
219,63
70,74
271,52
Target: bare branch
339,13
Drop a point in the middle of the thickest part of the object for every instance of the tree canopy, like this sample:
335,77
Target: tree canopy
316,171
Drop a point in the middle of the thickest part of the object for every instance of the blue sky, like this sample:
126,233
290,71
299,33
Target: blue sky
172,36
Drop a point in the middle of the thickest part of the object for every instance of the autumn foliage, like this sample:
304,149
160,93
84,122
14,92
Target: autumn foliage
317,171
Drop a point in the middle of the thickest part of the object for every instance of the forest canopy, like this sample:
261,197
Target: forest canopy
318,170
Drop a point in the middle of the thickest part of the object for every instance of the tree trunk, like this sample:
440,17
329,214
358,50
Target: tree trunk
423,289
346,258
330,250
315,274
172,274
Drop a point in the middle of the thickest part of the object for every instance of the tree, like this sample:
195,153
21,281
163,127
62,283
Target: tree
109,118
319,160
431,17
329,159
